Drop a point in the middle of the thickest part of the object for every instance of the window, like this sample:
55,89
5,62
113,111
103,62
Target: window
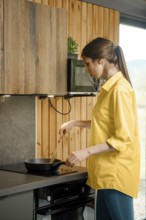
132,41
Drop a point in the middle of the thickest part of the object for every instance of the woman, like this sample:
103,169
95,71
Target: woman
113,152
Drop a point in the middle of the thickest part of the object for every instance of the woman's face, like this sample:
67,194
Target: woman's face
94,67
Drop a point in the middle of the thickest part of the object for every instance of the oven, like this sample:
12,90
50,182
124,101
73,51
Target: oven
73,200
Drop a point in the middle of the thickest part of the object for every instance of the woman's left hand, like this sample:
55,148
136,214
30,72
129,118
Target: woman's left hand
76,157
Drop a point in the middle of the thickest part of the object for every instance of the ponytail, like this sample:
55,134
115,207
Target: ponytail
121,62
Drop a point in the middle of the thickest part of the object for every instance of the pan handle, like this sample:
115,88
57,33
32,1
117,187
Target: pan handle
55,165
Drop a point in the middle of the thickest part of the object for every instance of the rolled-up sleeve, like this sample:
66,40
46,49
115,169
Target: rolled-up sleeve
124,121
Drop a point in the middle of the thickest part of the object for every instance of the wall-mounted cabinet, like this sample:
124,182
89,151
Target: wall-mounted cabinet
33,48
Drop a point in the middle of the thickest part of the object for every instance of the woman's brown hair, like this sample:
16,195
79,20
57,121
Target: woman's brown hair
101,48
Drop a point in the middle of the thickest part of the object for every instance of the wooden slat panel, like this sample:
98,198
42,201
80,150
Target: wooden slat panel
45,2
51,3
77,24
39,128
52,126
83,38
37,1
89,108
95,21
72,133
71,17
65,118
116,26
77,130
111,24
45,122
89,27
83,134
58,4
100,21
59,121
106,26
75,31
89,38
65,4
85,22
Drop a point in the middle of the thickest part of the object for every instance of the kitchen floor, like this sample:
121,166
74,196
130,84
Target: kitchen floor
140,203
88,213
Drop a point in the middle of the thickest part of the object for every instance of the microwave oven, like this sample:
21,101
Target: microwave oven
79,82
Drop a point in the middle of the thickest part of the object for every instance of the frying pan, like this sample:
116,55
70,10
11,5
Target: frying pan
42,165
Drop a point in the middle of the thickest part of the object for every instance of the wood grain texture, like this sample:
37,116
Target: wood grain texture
39,127
85,22
33,47
14,43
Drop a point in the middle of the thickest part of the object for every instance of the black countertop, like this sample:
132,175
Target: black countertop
11,182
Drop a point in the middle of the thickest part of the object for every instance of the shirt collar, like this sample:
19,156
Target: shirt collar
110,82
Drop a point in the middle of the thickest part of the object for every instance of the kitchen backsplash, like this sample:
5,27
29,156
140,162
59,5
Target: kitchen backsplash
17,129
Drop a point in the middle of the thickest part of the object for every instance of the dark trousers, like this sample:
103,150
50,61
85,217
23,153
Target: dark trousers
113,205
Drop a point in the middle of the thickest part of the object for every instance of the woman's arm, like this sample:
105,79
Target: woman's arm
82,123
78,156
66,127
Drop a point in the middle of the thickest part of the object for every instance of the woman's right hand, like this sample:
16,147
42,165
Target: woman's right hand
64,129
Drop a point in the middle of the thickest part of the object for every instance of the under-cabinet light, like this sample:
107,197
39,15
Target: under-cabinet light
51,96
5,96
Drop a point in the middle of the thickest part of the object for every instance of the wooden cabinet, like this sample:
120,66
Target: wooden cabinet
17,206
33,48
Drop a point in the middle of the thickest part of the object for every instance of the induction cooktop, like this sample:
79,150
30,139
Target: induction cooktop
20,168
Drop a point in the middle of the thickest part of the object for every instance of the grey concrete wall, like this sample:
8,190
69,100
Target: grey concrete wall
17,129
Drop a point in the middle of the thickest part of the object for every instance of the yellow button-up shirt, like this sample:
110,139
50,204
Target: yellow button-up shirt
114,120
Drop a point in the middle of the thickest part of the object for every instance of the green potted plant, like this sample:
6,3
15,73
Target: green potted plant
72,48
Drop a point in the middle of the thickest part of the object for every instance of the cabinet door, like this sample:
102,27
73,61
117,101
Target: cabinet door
34,58
17,207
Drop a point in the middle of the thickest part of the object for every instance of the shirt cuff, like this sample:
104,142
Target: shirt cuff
118,145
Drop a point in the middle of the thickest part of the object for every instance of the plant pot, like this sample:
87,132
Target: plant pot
72,56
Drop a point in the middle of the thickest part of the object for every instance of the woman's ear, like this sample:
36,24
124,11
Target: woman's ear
101,61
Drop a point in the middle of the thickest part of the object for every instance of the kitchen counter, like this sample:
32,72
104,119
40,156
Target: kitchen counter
12,183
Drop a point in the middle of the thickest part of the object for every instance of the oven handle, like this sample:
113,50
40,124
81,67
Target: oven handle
65,207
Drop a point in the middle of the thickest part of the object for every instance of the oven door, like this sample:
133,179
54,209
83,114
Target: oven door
67,201
69,211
